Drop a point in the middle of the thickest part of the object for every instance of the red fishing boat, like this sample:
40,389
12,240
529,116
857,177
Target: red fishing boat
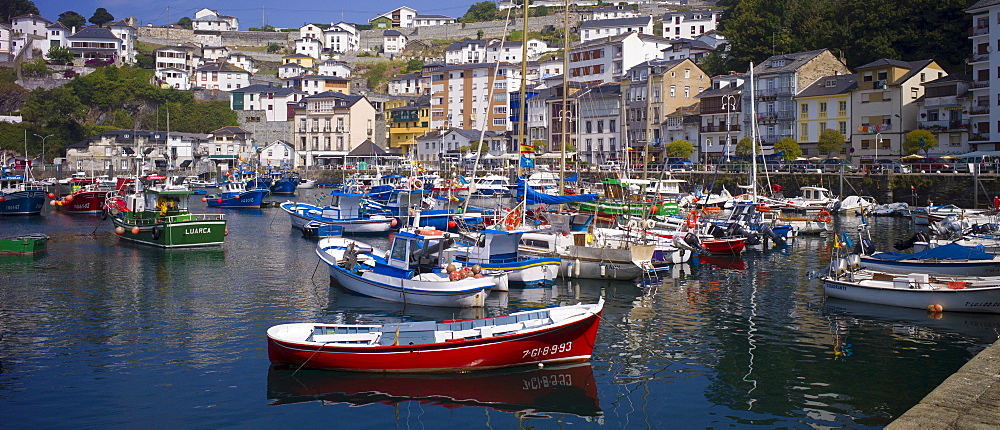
550,389
89,199
562,334
712,245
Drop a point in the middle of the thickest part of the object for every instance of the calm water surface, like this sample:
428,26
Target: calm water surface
97,333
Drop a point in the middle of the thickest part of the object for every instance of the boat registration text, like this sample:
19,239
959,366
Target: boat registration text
548,350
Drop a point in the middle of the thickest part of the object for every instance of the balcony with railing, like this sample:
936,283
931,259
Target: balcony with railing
980,30
981,84
978,58
979,137
719,128
944,126
980,110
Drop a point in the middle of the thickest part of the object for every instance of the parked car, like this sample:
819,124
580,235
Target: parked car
928,164
837,165
882,165
610,165
678,163
803,166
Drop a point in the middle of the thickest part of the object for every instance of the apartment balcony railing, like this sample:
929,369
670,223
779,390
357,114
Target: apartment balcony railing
980,110
976,31
979,57
978,137
981,84
944,126
719,128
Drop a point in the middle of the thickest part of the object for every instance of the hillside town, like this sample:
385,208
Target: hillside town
633,85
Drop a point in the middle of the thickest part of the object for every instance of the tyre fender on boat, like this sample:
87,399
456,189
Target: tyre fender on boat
156,232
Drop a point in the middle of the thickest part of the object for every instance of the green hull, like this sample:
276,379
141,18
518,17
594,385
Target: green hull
175,231
27,244
636,209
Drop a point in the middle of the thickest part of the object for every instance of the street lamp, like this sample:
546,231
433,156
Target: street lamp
728,102
43,146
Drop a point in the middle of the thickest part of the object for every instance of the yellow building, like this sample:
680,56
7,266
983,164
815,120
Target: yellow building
825,104
406,120
300,59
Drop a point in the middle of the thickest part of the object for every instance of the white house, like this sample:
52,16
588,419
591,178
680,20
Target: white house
410,84
431,20
342,37
686,48
242,61
221,76
331,67
400,17
95,43
183,147
460,95
126,33
57,35
393,42
465,51
6,46
173,77
690,24
182,57
608,59
214,53
30,24
609,12
510,52
438,145
291,70
309,46
596,29
311,31
274,101
208,19
278,153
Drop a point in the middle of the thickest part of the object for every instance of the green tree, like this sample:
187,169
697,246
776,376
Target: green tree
919,140
678,148
101,17
60,54
413,65
71,19
479,34
790,147
12,8
743,147
36,68
144,61
58,112
478,12
201,117
830,141
273,47
375,76
540,10
185,22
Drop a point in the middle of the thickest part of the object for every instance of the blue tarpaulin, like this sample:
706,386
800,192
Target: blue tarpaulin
951,251
535,197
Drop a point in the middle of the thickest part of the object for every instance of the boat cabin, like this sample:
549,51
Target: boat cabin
815,194
166,202
9,184
415,251
343,206
492,246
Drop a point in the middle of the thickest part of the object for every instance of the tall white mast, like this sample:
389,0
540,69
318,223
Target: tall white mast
753,135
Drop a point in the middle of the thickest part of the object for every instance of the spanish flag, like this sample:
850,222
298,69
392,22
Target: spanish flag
527,149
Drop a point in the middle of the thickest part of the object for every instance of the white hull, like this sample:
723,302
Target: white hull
938,267
914,295
375,224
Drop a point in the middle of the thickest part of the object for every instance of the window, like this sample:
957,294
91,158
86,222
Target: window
805,109
673,91
842,127
687,92
600,126
687,73
803,132
611,127
587,126
932,114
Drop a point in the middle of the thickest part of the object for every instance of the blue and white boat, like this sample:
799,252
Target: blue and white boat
345,210
18,197
414,271
234,194
406,204
491,185
284,184
496,251
951,259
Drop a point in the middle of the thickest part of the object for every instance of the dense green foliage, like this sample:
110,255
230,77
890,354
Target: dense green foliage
859,30
678,148
185,22
413,65
743,147
919,140
101,16
790,147
12,8
479,12
831,141
72,19
60,54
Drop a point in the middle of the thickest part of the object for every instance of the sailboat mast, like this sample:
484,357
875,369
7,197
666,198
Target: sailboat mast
565,107
753,134
522,119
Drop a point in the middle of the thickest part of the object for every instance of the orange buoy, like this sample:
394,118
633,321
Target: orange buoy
69,198
203,199
119,230
135,230
219,201
393,223
51,195
935,308
452,224
51,202
653,210
824,216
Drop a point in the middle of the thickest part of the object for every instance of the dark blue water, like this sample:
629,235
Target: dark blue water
99,333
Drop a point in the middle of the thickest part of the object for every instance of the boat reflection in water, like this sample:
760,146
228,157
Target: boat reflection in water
916,322
535,391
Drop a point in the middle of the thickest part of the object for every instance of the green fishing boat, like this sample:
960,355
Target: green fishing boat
159,216
619,200
33,243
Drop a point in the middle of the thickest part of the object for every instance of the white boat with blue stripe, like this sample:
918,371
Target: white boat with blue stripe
345,210
496,251
414,271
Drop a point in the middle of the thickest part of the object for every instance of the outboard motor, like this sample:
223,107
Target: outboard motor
908,243
716,231
770,234
865,247
692,241
753,239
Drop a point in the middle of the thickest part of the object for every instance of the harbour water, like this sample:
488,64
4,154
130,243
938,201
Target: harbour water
98,333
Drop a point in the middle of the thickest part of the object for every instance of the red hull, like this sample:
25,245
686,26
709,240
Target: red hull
84,202
732,246
570,343
556,389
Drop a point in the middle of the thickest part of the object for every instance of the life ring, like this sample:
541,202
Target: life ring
633,224
692,219
650,224
824,216
416,184
512,219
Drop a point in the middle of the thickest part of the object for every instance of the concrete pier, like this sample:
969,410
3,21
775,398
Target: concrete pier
969,399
